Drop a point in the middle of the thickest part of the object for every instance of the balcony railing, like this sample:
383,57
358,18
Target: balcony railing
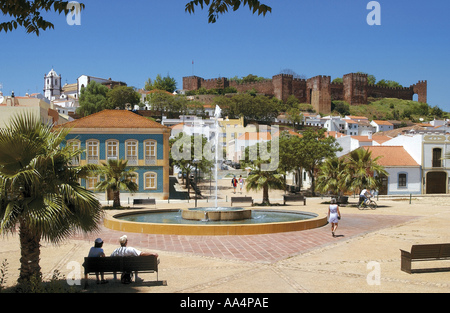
92,159
150,160
132,160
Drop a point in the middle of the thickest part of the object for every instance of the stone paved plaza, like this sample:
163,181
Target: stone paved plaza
309,261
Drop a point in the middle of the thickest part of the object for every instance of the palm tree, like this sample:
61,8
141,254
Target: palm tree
39,190
264,180
362,169
332,176
118,177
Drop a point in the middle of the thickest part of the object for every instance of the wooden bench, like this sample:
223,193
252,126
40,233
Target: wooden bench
144,201
292,198
111,265
241,200
426,252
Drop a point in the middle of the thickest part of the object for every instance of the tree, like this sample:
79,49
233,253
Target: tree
371,80
218,7
120,96
40,191
289,155
265,180
388,83
331,176
314,147
93,98
253,108
294,116
190,152
28,13
118,177
361,169
161,83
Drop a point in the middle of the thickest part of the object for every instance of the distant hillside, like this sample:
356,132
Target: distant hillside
392,109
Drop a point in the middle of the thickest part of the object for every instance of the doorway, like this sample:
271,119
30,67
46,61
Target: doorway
436,182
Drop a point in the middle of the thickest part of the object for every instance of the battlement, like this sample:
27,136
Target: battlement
317,90
389,88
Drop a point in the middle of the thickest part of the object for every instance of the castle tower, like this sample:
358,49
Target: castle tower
421,90
355,88
318,93
282,86
52,85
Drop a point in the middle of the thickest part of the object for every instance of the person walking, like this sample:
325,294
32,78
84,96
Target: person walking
334,215
234,183
241,183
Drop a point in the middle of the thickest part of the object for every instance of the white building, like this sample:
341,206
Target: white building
404,173
381,126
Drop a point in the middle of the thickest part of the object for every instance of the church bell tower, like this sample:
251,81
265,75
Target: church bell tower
52,85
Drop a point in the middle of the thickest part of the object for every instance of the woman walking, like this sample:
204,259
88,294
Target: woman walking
334,215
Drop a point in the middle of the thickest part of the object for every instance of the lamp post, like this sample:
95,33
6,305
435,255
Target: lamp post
196,161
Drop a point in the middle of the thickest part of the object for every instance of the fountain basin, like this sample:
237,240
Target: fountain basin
216,214
164,223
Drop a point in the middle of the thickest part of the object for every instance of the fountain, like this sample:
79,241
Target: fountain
214,220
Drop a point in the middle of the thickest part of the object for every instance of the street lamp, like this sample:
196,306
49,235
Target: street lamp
196,161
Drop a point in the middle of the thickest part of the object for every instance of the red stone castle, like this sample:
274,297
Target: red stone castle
318,90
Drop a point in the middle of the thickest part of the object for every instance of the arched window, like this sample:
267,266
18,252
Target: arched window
135,178
92,151
150,180
150,152
112,150
75,145
131,152
91,182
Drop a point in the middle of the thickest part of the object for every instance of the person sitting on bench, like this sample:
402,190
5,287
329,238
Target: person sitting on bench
123,250
97,252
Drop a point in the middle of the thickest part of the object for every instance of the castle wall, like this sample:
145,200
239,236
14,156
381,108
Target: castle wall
405,93
265,87
318,90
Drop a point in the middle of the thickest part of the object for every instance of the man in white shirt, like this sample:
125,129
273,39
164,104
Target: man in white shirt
363,196
123,250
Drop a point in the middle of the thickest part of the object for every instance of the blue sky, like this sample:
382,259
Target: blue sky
136,40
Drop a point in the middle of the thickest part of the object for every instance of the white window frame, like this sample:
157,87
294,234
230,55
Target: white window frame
92,145
150,181
149,153
112,149
132,157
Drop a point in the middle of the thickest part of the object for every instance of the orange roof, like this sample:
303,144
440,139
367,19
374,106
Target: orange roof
383,123
353,117
178,126
392,156
334,134
361,138
113,119
381,138
255,136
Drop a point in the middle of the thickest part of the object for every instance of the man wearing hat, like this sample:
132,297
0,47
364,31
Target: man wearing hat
123,250
97,251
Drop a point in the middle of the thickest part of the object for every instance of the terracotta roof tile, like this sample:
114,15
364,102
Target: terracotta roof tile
113,119
255,136
383,123
392,156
